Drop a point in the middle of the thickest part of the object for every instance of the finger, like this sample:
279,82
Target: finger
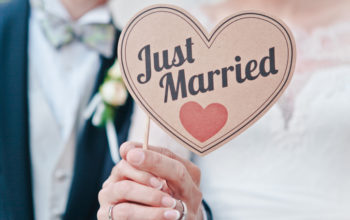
192,168
124,171
173,171
127,146
182,185
135,211
166,189
129,191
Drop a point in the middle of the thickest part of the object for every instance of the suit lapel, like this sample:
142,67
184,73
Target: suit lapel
14,138
93,162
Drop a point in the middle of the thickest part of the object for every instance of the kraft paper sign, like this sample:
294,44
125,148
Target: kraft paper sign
205,89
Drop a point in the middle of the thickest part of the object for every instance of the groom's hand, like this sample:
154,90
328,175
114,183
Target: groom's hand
135,193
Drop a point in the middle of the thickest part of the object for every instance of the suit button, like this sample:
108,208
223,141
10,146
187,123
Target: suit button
61,175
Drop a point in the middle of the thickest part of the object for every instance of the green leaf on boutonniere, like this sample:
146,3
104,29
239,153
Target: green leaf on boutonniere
108,114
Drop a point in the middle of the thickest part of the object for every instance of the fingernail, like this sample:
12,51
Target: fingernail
168,202
155,183
172,214
126,145
136,156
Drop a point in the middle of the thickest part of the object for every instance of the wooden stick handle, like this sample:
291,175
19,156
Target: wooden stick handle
145,142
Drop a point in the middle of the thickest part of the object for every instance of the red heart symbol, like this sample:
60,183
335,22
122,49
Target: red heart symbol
201,123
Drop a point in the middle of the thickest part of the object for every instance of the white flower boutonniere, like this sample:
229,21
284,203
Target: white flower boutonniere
112,93
113,90
102,108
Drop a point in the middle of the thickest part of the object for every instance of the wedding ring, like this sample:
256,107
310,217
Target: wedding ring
183,210
110,212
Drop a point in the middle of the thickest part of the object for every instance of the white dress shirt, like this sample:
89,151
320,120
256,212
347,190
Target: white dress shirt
60,84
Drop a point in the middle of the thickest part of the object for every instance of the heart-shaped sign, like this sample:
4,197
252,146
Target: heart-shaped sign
204,89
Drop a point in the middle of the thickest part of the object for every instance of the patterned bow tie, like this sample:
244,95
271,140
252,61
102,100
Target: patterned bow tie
60,32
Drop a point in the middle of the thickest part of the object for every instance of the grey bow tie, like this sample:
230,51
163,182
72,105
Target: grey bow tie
60,32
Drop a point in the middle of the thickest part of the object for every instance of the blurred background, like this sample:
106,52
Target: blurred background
124,10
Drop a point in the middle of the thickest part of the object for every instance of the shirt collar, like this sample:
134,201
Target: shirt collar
101,14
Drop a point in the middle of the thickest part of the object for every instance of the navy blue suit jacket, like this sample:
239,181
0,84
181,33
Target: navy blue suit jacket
92,163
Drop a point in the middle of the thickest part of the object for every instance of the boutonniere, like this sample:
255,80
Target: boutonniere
103,106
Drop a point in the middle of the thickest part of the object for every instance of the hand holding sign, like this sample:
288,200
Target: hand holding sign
204,89
133,189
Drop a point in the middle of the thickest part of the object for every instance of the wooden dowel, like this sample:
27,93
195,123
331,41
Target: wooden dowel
145,142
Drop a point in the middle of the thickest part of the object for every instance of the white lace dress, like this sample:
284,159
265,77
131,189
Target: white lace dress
294,163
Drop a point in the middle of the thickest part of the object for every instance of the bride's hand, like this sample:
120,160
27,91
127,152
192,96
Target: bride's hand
134,194
133,187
